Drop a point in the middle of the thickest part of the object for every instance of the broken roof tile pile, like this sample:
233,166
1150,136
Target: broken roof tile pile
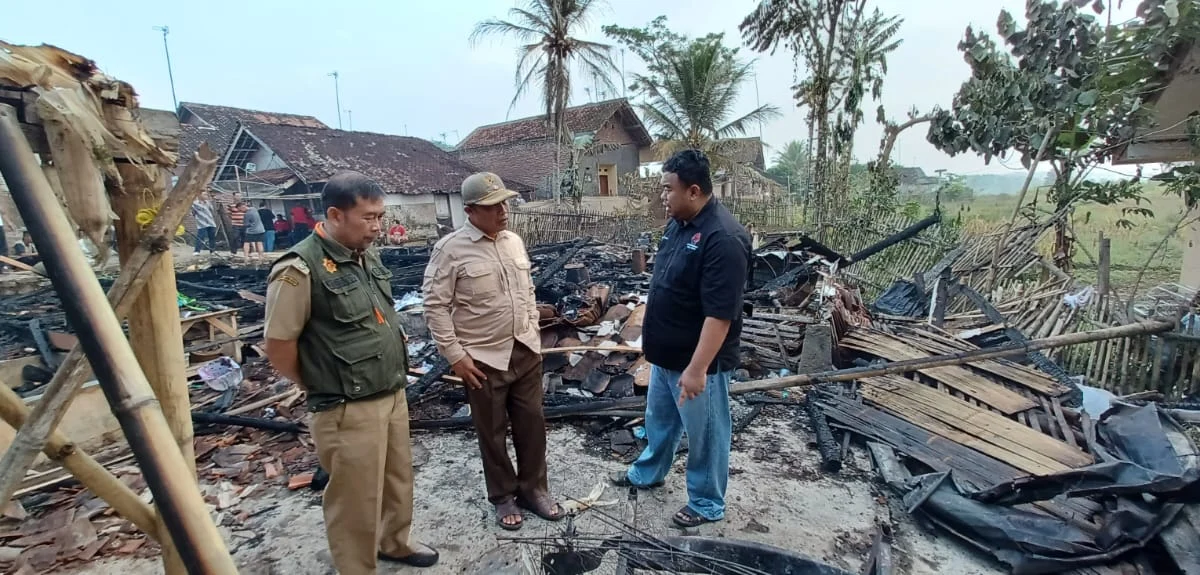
55,524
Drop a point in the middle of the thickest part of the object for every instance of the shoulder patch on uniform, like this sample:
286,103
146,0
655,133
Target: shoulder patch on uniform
288,264
288,279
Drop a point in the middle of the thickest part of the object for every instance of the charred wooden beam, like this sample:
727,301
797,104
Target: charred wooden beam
900,236
205,418
557,265
827,446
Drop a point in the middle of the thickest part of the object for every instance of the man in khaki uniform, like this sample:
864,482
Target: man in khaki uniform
481,312
332,328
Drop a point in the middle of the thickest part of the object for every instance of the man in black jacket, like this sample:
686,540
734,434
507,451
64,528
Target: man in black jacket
690,337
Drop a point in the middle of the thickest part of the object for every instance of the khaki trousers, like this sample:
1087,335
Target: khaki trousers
364,445
511,396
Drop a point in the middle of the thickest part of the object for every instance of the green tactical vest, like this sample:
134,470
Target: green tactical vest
345,352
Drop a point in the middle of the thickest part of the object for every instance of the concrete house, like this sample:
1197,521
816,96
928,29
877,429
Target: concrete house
284,164
524,151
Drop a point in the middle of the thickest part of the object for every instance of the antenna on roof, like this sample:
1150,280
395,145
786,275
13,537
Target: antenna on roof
337,94
170,74
350,120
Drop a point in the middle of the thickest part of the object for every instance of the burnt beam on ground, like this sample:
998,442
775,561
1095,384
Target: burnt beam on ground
557,265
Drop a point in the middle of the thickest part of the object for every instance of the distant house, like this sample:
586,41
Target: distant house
524,150
913,180
750,180
284,164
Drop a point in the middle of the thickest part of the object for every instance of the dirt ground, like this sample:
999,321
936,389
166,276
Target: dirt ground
777,495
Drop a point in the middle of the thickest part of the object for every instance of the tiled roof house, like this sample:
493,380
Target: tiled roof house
524,151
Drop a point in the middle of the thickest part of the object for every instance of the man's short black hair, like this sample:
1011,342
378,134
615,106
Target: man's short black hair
692,169
344,189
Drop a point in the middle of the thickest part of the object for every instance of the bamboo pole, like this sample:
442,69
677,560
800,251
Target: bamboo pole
176,494
135,272
154,331
88,471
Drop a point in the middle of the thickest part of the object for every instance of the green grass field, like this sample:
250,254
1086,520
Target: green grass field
1131,247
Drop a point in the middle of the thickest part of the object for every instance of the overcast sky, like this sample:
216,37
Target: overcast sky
407,67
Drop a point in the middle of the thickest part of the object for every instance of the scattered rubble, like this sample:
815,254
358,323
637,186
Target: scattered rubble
970,446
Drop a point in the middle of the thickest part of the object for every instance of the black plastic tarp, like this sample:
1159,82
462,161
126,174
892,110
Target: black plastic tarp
902,298
1142,473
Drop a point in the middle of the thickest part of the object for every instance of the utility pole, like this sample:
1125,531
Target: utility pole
624,92
338,95
350,119
170,74
757,103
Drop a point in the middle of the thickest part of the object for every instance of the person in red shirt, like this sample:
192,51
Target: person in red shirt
397,234
302,223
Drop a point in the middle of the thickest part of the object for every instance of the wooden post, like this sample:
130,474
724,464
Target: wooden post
182,508
154,331
87,470
1103,271
135,272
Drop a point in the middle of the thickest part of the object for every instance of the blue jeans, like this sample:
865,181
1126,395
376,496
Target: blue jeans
209,232
269,240
708,425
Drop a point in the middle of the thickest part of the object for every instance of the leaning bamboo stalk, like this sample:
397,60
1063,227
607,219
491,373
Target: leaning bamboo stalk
154,331
83,467
181,506
57,395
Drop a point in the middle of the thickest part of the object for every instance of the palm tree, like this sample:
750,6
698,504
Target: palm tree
792,165
689,105
549,47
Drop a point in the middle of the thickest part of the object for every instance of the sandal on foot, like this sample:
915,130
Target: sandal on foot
542,506
686,517
621,479
509,509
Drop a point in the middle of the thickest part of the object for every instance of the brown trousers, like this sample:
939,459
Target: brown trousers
511,396
364,445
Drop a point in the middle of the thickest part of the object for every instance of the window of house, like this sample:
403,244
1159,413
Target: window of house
244,149
443,205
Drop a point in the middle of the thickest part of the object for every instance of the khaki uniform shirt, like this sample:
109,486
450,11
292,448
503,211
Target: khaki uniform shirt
289,294
479,297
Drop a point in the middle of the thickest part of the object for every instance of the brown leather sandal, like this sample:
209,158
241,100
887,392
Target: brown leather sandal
509,509
542,506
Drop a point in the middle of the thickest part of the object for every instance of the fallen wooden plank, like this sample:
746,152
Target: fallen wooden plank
19,265
1037,381
956,376
983,430
971,467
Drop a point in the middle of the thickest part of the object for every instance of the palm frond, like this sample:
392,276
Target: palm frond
740,126
531,63
495,27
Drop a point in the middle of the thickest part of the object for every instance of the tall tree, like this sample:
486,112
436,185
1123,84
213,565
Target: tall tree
548,32
1066,90
843,51
690,91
